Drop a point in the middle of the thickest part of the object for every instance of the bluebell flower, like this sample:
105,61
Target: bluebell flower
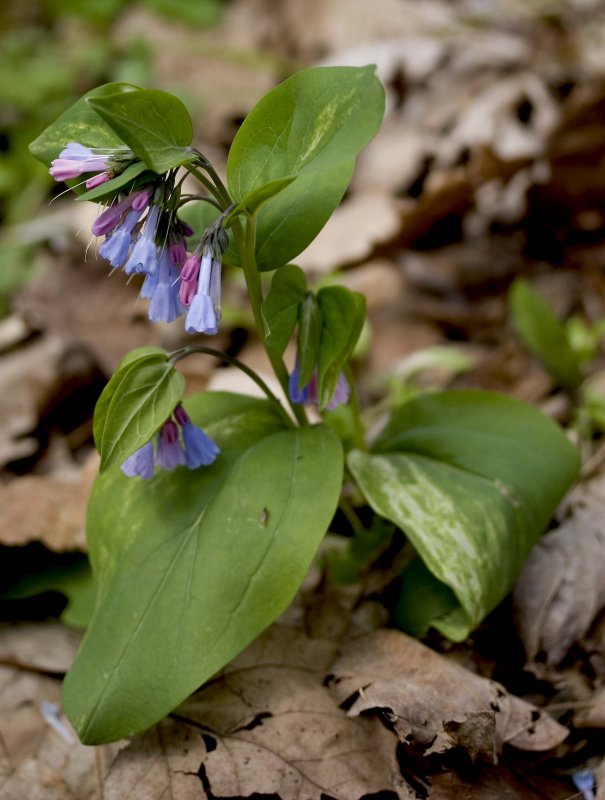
144,255
116,246
169,453
140,463
308,394
165,305
200,449
201,317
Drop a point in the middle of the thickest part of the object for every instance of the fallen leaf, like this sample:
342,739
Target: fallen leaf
47,647
42,762
433,702
352,233
27,374
593,714
56,518
266,725
561,589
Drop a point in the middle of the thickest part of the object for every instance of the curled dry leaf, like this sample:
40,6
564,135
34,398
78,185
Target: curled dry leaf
266,725
561,588
435,703
48,647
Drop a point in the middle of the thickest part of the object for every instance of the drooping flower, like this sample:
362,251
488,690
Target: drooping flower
195,450
170,452
74,160
116,246
200,449
140,463
308,394
202,316
165,305
144,255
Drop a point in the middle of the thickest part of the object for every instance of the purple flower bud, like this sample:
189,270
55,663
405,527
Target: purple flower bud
297,395
308,394
97,180
140,463
74,160
63,169
140,199
190,269
187,229
108,220
187,292
178,252
170,453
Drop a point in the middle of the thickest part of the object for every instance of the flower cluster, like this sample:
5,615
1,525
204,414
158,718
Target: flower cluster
143,235
178,443
307,395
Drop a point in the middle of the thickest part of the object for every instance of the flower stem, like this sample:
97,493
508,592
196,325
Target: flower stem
246,243
178,355
358,427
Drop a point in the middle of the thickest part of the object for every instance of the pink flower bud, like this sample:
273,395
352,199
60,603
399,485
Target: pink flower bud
141,200
191,269
181,416
97,180
187,292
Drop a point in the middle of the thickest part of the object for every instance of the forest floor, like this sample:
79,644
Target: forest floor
490,165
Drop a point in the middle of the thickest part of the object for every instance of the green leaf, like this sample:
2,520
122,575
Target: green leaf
310,127
80,124
257,198
138,355
134,405
280,307
342,314
192,565
472,478
544,334
154,124
113,186
309,333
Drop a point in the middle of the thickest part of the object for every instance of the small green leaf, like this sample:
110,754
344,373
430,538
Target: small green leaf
112,187
472,478
309,333
257,198
138,355
80,124
134,405
342,314
311,127
280,307
154,124
544,334
193,565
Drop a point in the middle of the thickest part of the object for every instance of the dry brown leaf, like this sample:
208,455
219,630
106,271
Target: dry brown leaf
41,762
352,233
267,724
593,714
48,647
434,702
26,377
56,518
561,588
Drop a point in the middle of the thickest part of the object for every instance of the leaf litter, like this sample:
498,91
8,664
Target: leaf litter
490,131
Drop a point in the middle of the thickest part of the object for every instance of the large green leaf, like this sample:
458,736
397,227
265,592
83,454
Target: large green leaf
154,124
280,306
472,478
544,334
136,402
311,127
80,123
194,564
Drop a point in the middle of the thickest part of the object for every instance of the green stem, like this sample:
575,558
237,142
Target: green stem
214,191
351,515
178,355
246,244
